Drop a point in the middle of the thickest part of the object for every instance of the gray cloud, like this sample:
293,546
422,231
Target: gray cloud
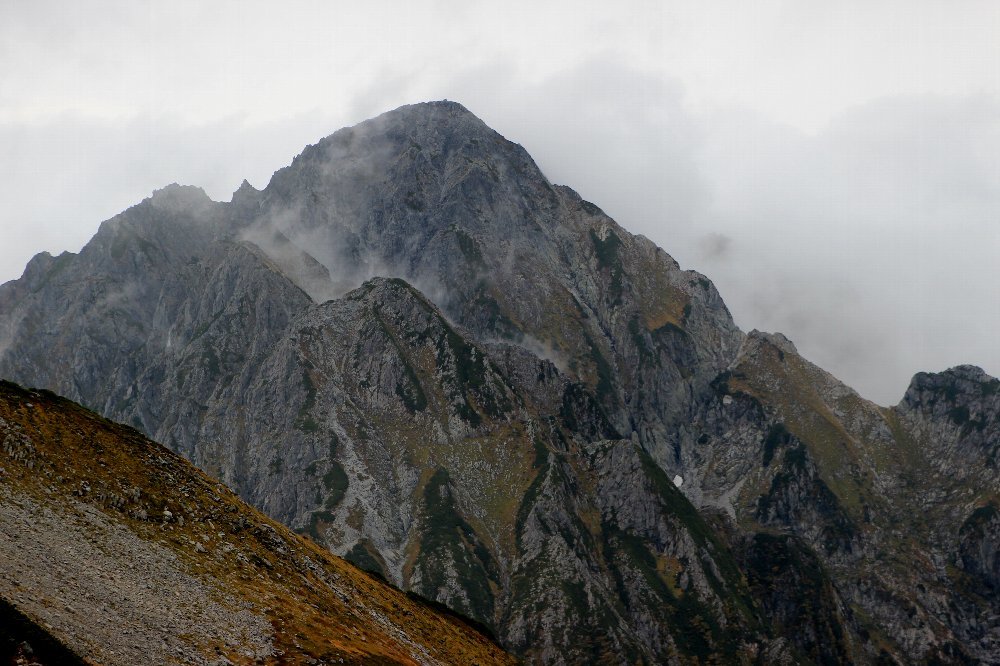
870,242
716,247
873,243
60,178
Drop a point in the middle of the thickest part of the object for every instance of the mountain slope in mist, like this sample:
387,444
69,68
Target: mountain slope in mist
414,347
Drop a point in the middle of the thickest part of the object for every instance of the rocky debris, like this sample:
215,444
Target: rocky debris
84,581
97,584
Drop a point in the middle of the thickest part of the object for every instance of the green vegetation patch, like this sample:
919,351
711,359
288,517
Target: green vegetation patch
414,201
211,362
977,521
692,623
607,249
796,595
450,612
541,464
638,333
335,481
605,383
959,415
731,585
469,247
777,437
580,413
448,539
494,314
315,519
304,420
409,390
470,377
366,558
797,486
607,257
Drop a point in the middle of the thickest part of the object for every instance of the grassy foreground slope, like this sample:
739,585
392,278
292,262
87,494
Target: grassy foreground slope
118,551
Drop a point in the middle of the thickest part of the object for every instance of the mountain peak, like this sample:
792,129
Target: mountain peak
961,383
425,122
777,340
439,111
433,106
245,193
495,422
179,197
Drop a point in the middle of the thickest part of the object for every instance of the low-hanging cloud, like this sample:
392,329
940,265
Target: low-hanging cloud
715,247
82,170
870,242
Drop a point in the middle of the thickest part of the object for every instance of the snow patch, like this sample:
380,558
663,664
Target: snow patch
678,480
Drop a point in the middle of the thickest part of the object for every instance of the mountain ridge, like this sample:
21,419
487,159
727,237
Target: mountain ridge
414,347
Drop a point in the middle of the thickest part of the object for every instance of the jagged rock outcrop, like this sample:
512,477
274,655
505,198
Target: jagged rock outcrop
414,347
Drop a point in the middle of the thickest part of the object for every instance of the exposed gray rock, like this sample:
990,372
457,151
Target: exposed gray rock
417,349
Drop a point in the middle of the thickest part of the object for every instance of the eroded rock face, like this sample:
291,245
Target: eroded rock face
414,347
114,550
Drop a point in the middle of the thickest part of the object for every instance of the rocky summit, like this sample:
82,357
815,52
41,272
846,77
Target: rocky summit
415,349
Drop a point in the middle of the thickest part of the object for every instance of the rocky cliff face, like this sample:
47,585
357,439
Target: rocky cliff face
117,551
415,348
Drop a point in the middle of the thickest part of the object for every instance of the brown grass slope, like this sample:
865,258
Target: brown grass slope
127,554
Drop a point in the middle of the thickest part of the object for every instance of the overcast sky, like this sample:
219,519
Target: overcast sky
834,167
